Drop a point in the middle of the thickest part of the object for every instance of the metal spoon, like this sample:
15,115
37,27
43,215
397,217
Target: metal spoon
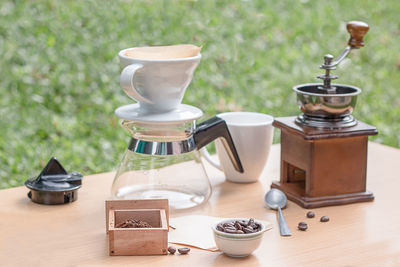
276,200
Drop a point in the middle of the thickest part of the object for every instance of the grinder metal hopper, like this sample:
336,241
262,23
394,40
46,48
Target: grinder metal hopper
330,105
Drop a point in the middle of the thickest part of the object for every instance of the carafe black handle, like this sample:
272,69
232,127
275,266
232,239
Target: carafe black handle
211,129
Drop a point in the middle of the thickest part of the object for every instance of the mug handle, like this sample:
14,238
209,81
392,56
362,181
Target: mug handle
207,156
126,81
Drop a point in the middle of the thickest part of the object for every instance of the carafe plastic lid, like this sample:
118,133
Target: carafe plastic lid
182,114
54,178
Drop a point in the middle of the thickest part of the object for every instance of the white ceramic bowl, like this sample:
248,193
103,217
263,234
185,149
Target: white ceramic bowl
238,245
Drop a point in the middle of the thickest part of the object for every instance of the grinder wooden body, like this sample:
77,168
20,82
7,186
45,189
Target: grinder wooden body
321,167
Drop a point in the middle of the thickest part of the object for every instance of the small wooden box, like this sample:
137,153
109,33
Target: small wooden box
137,241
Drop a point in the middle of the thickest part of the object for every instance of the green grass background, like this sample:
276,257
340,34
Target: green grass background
59,71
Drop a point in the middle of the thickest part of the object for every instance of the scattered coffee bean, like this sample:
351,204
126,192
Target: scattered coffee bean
310,214
302,226
239,227
324,219
130,223
183,251
171,250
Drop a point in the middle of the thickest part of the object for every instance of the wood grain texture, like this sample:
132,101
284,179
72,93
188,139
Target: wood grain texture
138,241
309,133
136,204
362,234
321,167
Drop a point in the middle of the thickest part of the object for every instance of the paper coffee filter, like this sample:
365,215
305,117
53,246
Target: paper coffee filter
164,52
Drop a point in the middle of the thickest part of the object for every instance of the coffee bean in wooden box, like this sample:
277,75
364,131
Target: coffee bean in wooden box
137,241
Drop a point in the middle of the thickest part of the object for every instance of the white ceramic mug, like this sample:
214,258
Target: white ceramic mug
157,84
252,134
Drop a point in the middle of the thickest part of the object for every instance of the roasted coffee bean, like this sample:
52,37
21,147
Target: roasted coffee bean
302,226
130,223
171,250
231,231
243,223
310,214
220,228
228,224
238,226
248,230
184,250
324,219
251,221
254,226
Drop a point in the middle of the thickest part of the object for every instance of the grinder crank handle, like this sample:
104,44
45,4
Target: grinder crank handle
211,129
357,30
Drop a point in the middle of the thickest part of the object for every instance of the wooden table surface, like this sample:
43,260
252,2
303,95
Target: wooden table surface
364,234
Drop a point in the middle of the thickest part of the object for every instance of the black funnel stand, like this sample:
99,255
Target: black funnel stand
211,129
54,185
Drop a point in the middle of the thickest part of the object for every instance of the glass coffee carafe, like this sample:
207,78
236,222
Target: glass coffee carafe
163,159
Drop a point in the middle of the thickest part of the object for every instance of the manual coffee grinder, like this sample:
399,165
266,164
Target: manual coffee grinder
324,149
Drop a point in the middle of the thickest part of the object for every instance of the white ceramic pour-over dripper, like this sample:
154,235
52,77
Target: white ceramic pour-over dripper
157,84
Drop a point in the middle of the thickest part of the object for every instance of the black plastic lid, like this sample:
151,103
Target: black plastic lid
53,183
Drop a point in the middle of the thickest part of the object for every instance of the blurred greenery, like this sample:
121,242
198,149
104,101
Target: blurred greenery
59,78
